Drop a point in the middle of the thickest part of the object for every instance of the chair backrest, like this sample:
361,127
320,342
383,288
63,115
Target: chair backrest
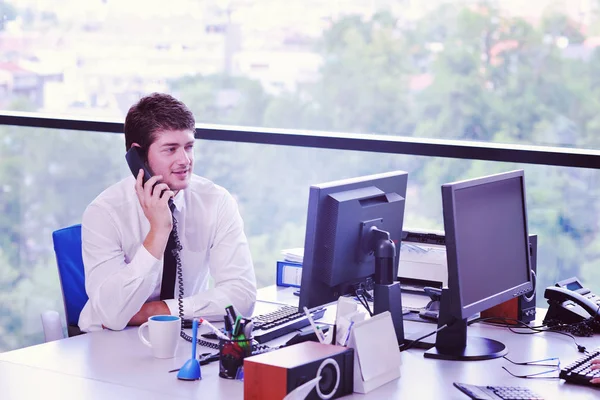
67,247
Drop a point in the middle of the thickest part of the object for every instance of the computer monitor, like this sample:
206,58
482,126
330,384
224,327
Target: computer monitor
346,221
485,222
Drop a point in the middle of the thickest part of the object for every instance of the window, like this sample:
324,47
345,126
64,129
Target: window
497,71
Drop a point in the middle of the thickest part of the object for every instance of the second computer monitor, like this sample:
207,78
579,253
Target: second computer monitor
337,257
487,248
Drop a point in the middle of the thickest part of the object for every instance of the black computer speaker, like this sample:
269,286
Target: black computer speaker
272,375
526,303
522,307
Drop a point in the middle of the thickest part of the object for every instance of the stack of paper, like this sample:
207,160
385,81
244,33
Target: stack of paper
293,255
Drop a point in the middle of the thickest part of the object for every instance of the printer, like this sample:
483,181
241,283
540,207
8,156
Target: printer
422,259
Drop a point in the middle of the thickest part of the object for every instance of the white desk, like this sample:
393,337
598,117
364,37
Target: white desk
18,381
117,365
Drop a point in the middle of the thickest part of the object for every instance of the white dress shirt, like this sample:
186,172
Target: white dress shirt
121,275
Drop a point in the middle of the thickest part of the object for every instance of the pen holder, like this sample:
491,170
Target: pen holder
231,356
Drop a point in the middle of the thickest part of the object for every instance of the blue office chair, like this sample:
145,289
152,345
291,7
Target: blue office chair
67,247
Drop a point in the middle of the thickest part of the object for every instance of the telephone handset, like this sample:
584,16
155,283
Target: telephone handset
570,302
135,162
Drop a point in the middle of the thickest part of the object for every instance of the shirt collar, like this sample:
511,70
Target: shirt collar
179,201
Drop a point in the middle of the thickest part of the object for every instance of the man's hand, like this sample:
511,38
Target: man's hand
149,309
595,365
155,204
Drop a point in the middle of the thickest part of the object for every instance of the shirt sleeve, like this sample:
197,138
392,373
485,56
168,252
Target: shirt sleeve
230,267
116,289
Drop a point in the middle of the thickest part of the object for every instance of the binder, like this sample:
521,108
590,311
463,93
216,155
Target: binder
289,273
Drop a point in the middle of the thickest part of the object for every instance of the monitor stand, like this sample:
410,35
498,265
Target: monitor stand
476,348
389,298
452,342
387,292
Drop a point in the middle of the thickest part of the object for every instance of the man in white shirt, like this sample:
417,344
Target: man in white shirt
125,231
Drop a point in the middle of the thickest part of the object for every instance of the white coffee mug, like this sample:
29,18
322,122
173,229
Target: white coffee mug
164,335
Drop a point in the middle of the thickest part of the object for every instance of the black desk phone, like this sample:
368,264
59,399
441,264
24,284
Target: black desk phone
570,302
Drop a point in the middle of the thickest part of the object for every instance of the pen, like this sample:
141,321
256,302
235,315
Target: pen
230,311
237,326
321,333
347,335
248,329
241,336
203,359
228,327
216,331
317,331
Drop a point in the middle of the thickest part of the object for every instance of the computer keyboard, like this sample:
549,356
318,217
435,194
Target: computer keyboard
497,392
280,322
580,371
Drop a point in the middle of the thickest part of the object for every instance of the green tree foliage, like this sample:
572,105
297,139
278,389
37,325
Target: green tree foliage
364,77
48,178
488,77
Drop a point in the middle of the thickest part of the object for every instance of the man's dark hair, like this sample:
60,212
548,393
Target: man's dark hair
157,111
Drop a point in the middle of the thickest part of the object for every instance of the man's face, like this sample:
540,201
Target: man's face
172,156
